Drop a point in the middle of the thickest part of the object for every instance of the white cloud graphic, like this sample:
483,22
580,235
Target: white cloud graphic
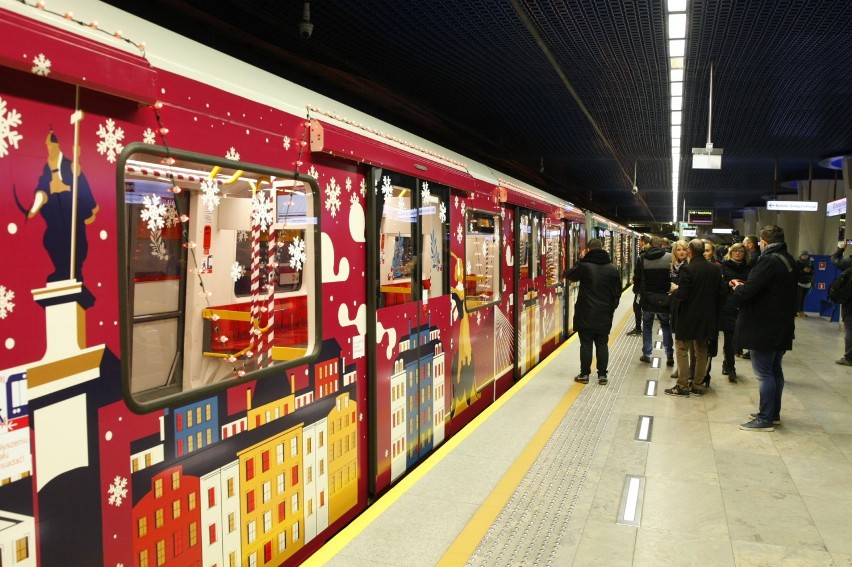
380,335
357,223
510,259
360,320
328,274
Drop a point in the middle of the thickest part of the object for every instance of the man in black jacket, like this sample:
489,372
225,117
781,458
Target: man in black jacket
766,322
600,291
637,308
652,279
846,309
698,298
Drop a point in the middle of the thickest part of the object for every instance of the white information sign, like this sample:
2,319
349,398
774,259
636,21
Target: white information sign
792,205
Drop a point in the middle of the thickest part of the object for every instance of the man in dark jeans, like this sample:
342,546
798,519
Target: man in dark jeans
600,292
637,308
766,322
652,279
846,309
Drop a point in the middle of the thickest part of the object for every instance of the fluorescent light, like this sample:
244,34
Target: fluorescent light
677,74
676,116
677,103
677,89
675,131
677,25
675,62
675,143
677,5
677,48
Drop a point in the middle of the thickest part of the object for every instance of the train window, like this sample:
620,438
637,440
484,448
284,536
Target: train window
434,228
482,259
219,277
530,248
552,252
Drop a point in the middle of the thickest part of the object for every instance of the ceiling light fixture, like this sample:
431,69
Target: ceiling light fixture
708,157
676,19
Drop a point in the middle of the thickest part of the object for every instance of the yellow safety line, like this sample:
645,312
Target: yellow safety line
470,537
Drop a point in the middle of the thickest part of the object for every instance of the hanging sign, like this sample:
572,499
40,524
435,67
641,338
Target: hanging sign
835,208
792,205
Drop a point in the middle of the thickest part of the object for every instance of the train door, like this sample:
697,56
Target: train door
554,286
576,242
409,263
529,284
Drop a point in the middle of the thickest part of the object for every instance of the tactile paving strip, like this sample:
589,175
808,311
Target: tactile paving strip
530,528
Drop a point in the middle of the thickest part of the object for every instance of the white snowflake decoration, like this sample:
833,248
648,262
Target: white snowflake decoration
502,213
154,212
117,491
243,235
8,137
210,194
425,194
111,138
41,65
233,154
6,305
297,254
387,188
237,271
332,203
261,210
149,136
456,205
478,317
363,187
459,233
353,199
171,217
348,184
442,212
286,142
462,208
313,172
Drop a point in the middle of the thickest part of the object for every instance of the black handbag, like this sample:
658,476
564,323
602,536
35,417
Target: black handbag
656,301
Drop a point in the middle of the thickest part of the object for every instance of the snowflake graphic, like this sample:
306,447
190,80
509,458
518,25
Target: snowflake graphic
425,194
297,254
237,271
363,187
233,154
353,199
478,317
41,65
171,217
242,235
443,212
8,137
117,491
459,233
286,142
154,212
111,137
313,172
462,208
348,184
387,188
149,136
210,194
456,205
332,203
261,210
502,213
6,305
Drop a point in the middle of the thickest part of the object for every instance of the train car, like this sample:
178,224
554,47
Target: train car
234,311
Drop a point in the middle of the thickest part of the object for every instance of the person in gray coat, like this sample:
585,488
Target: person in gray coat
600,292
766,322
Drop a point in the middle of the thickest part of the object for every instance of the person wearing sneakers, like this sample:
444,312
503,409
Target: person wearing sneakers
766,322
845,309
652,279
637,308
698,297
600,292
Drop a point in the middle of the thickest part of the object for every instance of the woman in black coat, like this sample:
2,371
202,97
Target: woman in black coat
735,266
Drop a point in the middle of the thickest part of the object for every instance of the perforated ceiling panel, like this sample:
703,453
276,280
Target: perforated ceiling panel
570,95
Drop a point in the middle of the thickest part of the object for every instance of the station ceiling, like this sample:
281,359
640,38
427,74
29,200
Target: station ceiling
573,96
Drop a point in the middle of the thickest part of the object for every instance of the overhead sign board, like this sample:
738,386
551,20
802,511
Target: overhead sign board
692,232
694,216
792,205
835,208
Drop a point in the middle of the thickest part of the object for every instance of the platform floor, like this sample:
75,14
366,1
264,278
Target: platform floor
553,473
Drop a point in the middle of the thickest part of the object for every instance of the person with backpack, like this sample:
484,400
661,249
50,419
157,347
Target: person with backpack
841,292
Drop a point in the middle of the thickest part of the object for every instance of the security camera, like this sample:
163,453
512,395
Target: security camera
306,28
635,190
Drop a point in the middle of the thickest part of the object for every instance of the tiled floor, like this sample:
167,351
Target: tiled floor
712,494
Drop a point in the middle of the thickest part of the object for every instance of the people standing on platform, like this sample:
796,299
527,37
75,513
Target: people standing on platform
735,267
680,252
752,245
600,292
713,343
806,280
652,279
766,322
637,308
845,309
698,297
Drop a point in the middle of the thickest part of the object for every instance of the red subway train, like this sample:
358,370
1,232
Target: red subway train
233,312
